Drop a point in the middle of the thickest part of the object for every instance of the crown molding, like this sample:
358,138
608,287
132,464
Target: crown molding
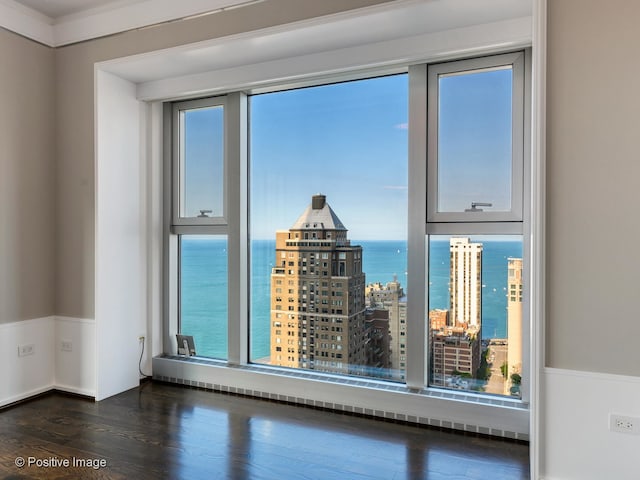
26,22
103,21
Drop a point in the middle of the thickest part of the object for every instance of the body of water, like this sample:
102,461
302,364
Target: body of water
204,286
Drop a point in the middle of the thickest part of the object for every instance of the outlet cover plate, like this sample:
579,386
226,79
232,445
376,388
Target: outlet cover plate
26,349
624,424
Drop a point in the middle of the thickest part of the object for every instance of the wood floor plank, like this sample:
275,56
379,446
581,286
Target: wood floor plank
165,431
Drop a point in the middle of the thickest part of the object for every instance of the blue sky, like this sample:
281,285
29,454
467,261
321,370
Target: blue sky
474,140
349,142
204,134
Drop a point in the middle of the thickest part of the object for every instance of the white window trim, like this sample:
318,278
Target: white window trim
463,41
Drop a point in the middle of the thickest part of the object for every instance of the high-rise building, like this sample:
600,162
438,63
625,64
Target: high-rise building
391,297
465,287
317,295
514,318
456,335
377,333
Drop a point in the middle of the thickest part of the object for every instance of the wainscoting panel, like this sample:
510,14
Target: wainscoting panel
576,442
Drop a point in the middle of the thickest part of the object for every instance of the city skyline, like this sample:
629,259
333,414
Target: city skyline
379,261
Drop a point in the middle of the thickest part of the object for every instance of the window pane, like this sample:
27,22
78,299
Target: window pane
202,166
475,313
203,293
328,270
475,140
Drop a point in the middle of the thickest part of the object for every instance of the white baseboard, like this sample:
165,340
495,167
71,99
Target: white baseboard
25,395
74,390
48,367
576,443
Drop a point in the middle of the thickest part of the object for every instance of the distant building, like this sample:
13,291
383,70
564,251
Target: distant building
465,285
438,319
391,297
514,318
377,342
455,352
317,295
456,333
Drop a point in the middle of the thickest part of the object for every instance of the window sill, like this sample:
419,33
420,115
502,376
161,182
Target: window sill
475,413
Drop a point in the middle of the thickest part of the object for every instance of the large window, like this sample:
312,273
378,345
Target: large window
331,227
199,226
475,224
328,190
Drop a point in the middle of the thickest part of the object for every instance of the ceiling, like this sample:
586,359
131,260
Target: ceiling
55,9
62,22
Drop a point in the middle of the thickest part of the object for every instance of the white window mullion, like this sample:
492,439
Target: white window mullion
170,286
236,201
417,300
531,242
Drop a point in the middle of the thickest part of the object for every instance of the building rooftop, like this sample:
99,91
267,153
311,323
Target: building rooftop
318,216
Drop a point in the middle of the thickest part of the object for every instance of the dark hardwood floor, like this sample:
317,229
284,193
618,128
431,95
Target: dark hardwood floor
165,431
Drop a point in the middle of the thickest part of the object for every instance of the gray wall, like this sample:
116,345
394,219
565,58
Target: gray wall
593,186
593,167
27,159
74,124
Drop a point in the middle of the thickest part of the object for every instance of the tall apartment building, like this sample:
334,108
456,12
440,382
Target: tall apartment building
391,297
456,337
514,317
317,295
465,288
377,333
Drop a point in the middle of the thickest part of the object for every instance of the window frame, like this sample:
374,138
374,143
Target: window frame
479,223
177,165
230,224
516,61
235,225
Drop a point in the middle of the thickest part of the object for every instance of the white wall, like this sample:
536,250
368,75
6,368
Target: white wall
121,256
49,367
576,439
23,377
75,370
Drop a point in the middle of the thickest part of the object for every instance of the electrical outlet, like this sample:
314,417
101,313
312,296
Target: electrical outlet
624,424
27,349
66,345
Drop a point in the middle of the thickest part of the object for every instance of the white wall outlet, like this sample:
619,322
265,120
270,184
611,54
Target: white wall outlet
624,424
66,346
26,349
